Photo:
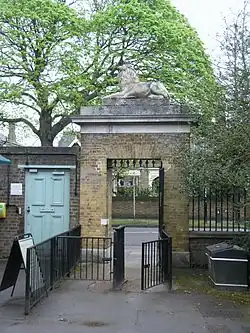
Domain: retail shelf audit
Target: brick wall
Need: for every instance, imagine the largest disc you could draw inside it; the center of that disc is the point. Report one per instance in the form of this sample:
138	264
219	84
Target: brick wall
144	209
198	241
14	223
98	148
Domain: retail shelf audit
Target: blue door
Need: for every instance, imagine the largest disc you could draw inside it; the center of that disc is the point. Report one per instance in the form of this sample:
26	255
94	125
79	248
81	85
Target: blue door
47	194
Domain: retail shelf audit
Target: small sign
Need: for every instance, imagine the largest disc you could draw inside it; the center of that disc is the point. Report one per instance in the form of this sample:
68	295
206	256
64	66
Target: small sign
16	189
17	258
104	221
24	244
12	268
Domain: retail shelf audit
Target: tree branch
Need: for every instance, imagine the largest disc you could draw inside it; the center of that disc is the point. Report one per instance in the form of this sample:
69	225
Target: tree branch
10	74
53	104
60	125
88	97
30	96
57	116
20	120
22	103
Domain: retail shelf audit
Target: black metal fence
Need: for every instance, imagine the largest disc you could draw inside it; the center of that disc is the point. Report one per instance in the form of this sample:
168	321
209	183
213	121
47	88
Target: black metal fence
217	210
156	265
85	258
43	269
118	257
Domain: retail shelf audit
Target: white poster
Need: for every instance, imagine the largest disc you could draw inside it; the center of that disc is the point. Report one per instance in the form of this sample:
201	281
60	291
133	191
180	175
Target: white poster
16	189
24	244
36	276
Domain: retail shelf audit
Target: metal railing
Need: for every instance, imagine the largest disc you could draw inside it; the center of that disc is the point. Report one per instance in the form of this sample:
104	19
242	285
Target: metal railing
43	269
85	258
217	210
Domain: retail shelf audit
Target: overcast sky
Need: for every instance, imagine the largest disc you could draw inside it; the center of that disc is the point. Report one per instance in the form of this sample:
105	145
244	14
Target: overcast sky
206	16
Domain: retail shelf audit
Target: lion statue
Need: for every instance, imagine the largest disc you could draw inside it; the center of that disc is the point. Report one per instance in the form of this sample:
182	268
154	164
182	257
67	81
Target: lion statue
131	87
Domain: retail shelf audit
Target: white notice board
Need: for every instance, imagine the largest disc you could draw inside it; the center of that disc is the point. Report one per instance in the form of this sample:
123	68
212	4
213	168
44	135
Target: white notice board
35	267
16	189
24	244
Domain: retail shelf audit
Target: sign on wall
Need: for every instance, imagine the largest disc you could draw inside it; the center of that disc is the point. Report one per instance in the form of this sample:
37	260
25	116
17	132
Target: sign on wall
16	189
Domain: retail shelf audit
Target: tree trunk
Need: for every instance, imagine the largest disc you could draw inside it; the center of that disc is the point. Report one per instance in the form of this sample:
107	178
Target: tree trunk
46	142
45	131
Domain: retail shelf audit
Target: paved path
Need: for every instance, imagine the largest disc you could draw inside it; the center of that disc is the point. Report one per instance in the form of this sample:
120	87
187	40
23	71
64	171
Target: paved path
133	249
135	236
81	306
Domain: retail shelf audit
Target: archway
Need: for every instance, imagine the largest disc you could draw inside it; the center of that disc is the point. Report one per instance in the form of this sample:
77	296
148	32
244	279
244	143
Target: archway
133	129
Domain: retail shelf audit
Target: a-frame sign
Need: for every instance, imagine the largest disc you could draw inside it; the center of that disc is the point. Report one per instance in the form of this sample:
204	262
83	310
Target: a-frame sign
16	260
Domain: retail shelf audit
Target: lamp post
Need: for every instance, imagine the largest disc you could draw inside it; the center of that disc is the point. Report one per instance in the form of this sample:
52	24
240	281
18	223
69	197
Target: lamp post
134	197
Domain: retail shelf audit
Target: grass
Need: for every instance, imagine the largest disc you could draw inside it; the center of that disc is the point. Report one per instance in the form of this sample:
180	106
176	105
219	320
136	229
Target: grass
191	281
135	222
154	222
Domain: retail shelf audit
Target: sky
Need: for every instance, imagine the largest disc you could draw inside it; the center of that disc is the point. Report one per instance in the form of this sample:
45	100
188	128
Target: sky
207	17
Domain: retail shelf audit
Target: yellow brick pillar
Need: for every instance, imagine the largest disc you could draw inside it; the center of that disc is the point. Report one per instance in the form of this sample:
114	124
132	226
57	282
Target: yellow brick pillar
176	215
95	200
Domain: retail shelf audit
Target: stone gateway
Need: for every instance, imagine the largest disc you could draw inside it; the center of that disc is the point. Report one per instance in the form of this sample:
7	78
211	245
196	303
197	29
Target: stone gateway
133	129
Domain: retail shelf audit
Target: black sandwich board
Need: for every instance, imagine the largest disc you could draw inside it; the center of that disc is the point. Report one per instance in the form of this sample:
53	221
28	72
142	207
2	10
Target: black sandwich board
17	258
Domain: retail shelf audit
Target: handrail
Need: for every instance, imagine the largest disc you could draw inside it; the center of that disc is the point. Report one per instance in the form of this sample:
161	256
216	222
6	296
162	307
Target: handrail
164	234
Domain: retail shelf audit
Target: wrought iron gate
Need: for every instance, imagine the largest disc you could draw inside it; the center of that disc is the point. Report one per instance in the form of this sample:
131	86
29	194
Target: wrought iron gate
92	258
84	258
156	264
118	257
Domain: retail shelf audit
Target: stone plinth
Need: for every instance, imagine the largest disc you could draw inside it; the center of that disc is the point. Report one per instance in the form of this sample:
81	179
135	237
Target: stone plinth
132	129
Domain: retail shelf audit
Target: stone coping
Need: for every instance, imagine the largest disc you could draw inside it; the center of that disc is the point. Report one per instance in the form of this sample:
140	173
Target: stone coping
137	107
133	118
214	234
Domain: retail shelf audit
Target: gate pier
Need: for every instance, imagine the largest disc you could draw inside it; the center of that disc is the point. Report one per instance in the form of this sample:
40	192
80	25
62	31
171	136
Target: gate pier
133	129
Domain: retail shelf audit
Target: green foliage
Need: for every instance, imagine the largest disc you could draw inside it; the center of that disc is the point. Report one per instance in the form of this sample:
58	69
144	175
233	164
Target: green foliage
33	42
242	240
140	193
156	185
125	193
220	156
160	43
221	159
54	59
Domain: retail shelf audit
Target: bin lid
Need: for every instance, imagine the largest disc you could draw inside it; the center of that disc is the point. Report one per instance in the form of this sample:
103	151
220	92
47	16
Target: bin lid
225	250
